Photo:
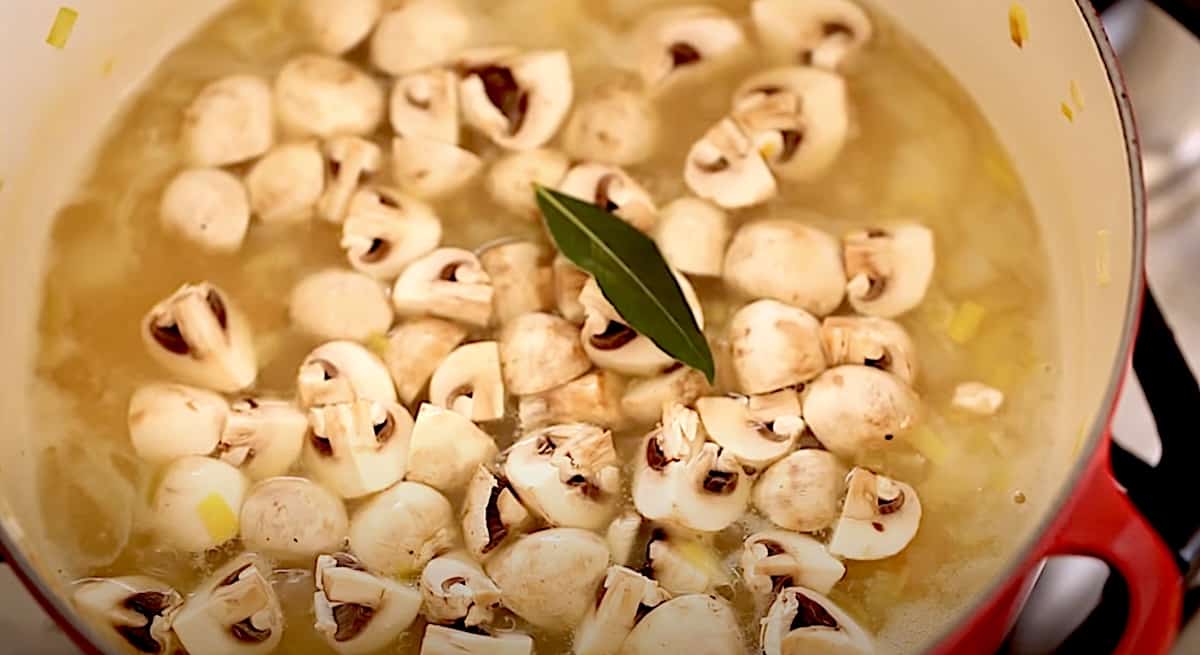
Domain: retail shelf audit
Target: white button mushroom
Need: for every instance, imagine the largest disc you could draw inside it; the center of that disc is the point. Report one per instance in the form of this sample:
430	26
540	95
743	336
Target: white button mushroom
889	270
286	184
262	437
569	475
693	624
358	612
446	449
428	168
327	97
293	520
777	559
358	448
201	337
727	167
440	640
540	352
622	535
419	34
774	346
491	514
822	33
343	372
569	282
759	431
801	492
517	101
879	518
468	381
625	596
685	563
352	161
870	341
235	612
786	260
644	399
521	276
457	591
684	43
512	178
386	230
692	235
857	409
550	578
230	121
447	283
197	502
339	304
804	621
415	350
615	124
593	398
611	344
978	398
425	104
169	421
207	207
613	190
337	26
397	532
135	611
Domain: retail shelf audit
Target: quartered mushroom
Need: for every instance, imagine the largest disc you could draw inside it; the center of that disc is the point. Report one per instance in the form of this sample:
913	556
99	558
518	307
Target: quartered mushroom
645	398
357	448
469	382
440	640
857	409
292	520
419	34
135	611
569	282
512	178
870	341
539	352
592	398
340	304
889	270
692	235
386	230
447	283
801	492
428	168
788	261
804	621
613	190
425	104
352	161
327	97
492	515
622	535
416	349
235	612
343	372
199	336
230	121
611	344
625	597
879	518
207	207
446	449
685	563
287	183
694	624
262	437
569	475
550	578
774	345
759	430
821	33
978	398
614	124
517	100
521	276
684	43
727	167
358	612
397	532
777	559
170	421
456	591
337	26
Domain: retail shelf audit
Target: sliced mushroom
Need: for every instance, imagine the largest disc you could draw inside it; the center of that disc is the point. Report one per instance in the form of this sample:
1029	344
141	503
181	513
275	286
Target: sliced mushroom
235	612
777	559
358	612
512	178
447	283
340	304
569	475
540	352
568	284
879	518
692	235
293	520
622	535
804	621
207	207
821	33
759	431
550	578
775	346
230	121
169	421
889	270
644	399
611	344
446	449
428	168
358	448
457	591
857	409
684	43
441	640
978	398
593	398
788	261
352	161
727	167
625	597
492	515
685	563
287	183
521	277
468	381
327	97
419	34
425	104
517	101
386	230
416	349
397	532
613	190
870	341
801	492
337	26
343	372
694	624
615	124
199	336
262	437
135	611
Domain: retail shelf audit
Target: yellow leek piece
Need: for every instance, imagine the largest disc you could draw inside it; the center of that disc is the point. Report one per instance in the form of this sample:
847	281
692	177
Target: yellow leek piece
218	518
1067	111
930	444
378	344
1018	24
966	321
60	31
701	556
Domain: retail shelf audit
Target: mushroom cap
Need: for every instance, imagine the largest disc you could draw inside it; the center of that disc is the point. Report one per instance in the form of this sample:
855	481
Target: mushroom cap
569	475
343	372
287	183
692	235
517	101
521	277
293	520
801	492
879	518
612	189
614	124
822	33
468	381
684	43
611	344
455	589
428	168
336	26
775	346
235	612
539	352
207	207
625	595
169	421
512	178
447	283
358	448
550	578
230	121
804	621
788	261
415	350
492	515
339	304
777	559
569	282
446	449
440	640
889	270
857	409
756	438
727	167
263	437
136	610
357	612
197	502
419	34
622	535
386	230
694	624
685	563
352	160
870	341
425	104
645	398
397	532
327	97
592	398
201	337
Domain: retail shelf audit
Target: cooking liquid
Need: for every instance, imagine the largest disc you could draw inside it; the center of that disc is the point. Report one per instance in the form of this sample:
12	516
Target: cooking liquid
920	150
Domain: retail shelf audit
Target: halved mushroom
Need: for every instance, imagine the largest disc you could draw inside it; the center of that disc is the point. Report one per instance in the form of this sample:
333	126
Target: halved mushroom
262	437
230	121
611	344
428	168
358	448
568	284
821	33
397	532
622	536
870	341
286	184
352	161
645	398
889	270
517	101
804	621
786	260
550	578
440	640
235	612
135	611
801	492
336	26
615	124
625	597
540	352
777	559
419	34
512	178
694	624
386	230
425	104
613	190
521	277
681	478
169	421
456	591
415	350
593	398
446	449
857	409
684	43
447	283
293	520
685	563
775	346
727	167
343	372
340	304
198	335
879	518
207	207
468	381
569	475
358	612
978	398
692	235
491	514
327	97
759	430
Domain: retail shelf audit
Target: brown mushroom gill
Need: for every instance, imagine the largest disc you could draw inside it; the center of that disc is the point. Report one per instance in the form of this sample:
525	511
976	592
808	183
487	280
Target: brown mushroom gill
151	605
614	336
322	445
497	531
891	505
385	429
810	614
168	336
351	620
247	632
378	251
683	54
218	308
655	457
720	482
602	199
505	93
